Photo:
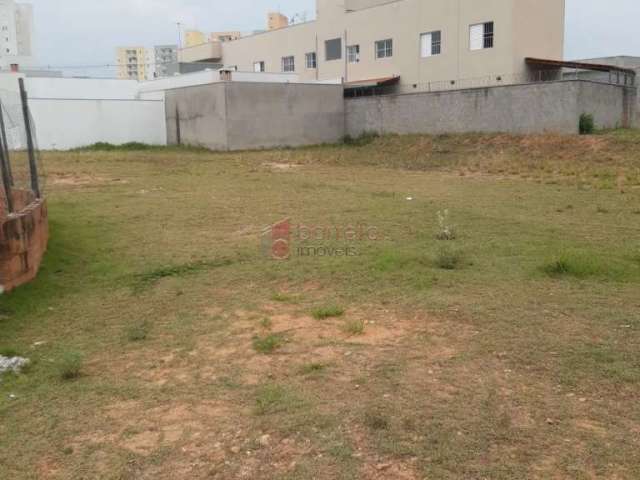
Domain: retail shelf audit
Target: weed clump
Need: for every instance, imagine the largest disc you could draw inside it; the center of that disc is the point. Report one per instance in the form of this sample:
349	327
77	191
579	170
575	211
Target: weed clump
70	366
587	125
329	311
354	327
449	259
268	344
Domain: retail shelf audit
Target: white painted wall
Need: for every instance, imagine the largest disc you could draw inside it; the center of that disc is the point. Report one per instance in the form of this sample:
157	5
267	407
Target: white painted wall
62	124
74	112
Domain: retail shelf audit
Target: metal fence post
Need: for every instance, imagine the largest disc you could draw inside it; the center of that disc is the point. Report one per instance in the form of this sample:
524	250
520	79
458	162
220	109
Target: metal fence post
33	166
4	143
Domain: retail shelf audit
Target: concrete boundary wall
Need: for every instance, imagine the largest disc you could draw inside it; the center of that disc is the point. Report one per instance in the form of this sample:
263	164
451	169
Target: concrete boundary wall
66	123
533	108
246	115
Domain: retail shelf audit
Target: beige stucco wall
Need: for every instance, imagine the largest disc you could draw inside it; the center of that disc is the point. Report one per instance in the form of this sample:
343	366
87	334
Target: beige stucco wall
522	28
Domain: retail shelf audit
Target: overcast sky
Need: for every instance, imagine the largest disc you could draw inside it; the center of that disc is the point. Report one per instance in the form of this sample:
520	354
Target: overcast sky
86	32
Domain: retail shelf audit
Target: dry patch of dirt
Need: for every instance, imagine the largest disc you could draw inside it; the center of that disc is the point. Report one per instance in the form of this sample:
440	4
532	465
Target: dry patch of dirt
81	180
280	167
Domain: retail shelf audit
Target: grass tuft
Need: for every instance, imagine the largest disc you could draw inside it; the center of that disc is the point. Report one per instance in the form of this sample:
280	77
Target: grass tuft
268	344
272	399
266	323
568	265
449	259
354	327
327	311
312	368
376	421
138	332
70	365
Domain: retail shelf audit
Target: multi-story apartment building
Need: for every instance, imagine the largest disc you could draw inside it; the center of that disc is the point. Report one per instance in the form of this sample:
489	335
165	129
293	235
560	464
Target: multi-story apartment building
135	63
16	35
166	60
414	41
140	63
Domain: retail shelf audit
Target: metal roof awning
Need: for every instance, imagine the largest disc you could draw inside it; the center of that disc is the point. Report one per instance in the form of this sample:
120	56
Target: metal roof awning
598	67
373	82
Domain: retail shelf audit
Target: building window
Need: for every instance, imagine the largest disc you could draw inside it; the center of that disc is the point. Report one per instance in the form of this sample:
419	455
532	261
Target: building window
258	67
333	49
288	64
311	60
430	44
353	53
481	36
384	48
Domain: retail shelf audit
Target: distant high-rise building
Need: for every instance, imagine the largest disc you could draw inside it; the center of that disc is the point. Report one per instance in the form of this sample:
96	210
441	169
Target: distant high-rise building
16	35
166	60
277	20
136	63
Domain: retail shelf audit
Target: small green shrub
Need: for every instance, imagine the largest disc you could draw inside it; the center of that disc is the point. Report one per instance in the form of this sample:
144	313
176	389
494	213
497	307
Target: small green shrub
268	344
587	125
70	366
328	311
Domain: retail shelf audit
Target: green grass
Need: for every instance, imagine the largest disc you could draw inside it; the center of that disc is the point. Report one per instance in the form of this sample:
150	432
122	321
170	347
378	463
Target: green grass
69	365
327	311
153	290
579	265
273	399
269	343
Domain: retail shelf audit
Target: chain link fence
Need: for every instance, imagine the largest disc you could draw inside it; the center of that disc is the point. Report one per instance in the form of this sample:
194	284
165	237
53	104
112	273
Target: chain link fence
20	162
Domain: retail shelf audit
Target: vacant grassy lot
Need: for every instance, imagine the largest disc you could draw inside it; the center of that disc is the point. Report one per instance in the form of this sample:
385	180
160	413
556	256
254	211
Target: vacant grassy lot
499	340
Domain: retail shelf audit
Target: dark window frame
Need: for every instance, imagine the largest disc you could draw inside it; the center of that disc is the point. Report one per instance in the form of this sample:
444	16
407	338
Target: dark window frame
333	49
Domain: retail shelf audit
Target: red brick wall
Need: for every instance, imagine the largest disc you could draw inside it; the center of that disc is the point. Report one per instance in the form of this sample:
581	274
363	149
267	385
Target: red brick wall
23	240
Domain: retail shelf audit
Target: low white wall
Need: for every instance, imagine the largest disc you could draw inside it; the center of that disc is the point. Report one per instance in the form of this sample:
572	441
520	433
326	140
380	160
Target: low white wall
75	112
63	124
